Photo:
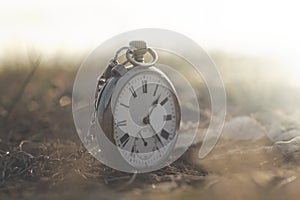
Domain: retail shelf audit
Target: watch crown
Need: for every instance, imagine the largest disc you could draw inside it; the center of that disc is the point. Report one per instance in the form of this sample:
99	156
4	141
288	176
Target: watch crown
139	49
138	45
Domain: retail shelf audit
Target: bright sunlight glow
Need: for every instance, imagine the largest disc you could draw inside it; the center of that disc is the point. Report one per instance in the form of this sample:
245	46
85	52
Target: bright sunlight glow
255	27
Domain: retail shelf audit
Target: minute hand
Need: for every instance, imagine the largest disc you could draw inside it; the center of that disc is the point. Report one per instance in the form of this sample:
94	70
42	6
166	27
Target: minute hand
153	105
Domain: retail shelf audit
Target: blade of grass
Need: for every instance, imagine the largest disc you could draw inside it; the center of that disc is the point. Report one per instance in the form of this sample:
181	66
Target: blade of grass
35	63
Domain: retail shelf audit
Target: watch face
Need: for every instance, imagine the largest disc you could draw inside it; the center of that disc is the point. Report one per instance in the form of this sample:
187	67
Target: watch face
145	119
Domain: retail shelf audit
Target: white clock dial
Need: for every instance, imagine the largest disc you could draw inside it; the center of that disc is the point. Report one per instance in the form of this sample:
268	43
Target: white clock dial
145	119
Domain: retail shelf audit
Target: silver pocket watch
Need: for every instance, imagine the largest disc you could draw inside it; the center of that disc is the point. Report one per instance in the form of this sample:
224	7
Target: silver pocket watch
137	107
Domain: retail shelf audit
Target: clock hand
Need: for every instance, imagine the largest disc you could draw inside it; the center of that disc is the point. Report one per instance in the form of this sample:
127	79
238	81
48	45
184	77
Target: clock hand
145	143
146	119
152	128
156	101
158	138
156	135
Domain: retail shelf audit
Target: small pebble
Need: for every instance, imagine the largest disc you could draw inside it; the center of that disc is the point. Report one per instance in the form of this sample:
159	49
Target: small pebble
64	101
289	148
282	135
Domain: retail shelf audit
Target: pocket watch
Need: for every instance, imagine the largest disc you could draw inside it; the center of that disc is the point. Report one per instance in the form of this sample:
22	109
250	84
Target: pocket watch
137	107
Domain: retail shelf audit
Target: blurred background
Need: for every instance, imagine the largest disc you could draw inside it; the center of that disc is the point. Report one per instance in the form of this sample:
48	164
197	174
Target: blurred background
255	45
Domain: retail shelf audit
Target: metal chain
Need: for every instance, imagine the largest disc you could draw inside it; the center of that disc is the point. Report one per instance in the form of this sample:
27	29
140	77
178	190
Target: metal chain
134	54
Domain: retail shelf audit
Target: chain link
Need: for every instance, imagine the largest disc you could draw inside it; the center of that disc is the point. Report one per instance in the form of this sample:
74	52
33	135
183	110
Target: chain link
134	54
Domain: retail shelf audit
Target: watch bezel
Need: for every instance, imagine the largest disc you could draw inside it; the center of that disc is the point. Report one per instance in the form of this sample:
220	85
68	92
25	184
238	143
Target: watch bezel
114	86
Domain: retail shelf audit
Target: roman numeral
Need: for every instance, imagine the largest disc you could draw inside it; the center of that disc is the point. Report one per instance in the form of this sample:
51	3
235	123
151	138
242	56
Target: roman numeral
122	104
122	123
132	91
155	90
167	117
133	148
144	86
164	134
164	101
124	139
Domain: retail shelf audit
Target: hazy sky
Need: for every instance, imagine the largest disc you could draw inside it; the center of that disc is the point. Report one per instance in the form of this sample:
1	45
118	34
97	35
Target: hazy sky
255	27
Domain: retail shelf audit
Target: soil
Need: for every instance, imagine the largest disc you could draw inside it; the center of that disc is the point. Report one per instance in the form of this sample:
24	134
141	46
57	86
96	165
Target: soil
42	157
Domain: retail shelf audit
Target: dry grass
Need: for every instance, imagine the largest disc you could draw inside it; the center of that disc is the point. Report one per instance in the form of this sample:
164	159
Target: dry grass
40	151
41	156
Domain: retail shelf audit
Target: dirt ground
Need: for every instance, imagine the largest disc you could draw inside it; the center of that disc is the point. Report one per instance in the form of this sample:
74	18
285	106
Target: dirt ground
41	156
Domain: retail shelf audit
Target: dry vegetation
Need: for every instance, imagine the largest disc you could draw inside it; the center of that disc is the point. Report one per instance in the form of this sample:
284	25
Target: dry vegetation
41	155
